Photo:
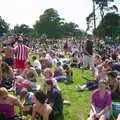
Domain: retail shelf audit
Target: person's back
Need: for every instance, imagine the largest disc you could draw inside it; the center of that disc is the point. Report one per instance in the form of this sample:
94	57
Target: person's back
54	97
7	103
40	107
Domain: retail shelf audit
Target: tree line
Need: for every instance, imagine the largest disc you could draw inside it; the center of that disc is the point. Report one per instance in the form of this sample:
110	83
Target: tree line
53	26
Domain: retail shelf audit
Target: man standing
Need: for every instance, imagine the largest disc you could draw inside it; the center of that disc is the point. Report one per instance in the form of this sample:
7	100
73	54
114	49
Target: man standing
88	53
21	53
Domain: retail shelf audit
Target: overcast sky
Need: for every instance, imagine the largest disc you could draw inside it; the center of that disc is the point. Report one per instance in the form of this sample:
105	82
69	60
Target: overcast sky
28	11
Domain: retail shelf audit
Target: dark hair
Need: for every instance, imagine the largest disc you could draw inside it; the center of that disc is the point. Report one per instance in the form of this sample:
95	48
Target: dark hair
34	57
40	96
112	74
49	82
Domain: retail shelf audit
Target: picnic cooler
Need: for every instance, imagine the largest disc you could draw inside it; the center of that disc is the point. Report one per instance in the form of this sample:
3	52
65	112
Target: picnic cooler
115	108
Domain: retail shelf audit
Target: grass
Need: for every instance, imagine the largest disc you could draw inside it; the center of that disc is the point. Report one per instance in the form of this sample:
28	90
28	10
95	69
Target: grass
79	108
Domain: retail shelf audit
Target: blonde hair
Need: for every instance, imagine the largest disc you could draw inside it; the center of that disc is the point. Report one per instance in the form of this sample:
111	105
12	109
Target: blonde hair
48	70
3	91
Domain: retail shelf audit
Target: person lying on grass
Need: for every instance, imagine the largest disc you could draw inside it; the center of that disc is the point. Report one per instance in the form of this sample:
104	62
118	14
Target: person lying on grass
40	107
100	102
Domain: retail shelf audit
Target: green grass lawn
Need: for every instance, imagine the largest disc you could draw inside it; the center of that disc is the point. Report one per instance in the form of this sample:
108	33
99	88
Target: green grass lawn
79	108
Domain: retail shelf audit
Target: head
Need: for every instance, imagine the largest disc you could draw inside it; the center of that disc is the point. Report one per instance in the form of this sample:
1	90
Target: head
28	64
90	37
5	67
58	63
34	58
97	57
49	84
3	92
102	84
23	93
40	97
44	53
48	73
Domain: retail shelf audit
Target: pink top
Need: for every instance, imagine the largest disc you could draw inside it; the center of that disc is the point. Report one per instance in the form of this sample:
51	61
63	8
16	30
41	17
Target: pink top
99	102
7	110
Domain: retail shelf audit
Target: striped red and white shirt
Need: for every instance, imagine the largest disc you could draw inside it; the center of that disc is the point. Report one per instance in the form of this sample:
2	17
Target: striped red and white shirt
21	52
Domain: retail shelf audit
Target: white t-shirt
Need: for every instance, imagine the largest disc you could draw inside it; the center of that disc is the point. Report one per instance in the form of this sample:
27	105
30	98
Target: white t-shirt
37	64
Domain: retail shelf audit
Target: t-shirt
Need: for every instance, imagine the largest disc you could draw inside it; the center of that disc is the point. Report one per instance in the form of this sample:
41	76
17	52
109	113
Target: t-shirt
89	47
102	103
36	64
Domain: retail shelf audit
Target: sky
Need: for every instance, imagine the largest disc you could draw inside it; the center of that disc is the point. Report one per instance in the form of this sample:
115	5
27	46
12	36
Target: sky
28	11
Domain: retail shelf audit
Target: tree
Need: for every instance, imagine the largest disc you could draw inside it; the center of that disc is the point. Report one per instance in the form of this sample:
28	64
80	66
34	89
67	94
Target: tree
70	29
49	23
102	8
23	29
110	22
4	27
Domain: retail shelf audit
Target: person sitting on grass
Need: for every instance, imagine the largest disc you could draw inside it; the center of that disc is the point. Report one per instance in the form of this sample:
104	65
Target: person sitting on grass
69	73
48	75
100	102
7	103
27	98
114	85
54	98
7	76
29	73
37	65
40	107
58	70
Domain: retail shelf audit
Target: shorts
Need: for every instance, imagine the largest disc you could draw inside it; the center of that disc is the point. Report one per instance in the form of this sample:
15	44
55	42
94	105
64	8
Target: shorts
20	64
88	62
106	114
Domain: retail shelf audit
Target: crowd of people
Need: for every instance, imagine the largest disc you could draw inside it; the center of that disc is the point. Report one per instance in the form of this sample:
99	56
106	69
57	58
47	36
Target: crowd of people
31	69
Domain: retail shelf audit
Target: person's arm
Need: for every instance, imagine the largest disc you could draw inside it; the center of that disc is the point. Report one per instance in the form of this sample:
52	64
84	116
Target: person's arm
17	102
35	73
33	112
23	74
103	111
46	115
114	88
93	108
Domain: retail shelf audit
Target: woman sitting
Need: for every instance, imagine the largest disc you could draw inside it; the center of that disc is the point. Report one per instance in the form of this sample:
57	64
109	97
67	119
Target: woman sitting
40	107
7	76
100	102
29	73
48	75
58	70
7	103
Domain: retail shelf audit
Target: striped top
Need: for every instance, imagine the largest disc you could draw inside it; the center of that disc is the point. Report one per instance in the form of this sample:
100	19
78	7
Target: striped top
21	52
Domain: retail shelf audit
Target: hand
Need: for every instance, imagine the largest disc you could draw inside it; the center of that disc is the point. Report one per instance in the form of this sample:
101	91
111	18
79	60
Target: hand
97	115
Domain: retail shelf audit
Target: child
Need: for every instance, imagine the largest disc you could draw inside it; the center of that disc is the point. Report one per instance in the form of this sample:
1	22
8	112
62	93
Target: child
69	73
27	97
48	75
